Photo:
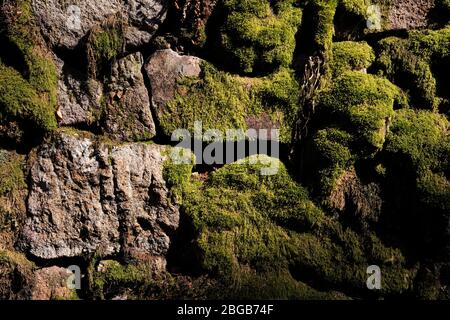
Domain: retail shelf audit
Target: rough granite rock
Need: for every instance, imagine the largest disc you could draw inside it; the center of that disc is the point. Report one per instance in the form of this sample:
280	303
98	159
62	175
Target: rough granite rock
65	23
410	14
128	115
87	197
79	98
164	68
51	283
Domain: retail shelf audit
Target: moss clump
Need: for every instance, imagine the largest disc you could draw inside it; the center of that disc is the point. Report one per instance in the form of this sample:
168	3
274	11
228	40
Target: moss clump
317	34
20	101
349	55
113	278
251	227
222	101
422	138
356	7
315	40
361	104
32	94
258	36
414	64
324	27
411	72
355	113
334	157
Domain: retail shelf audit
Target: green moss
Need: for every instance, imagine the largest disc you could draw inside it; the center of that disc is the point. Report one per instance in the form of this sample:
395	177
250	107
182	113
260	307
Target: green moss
39	82
340	257
361	104
333	145
349	55
222	101
25	34
278	95
251	227
355	113
177	171
13	191
324	27
115	278
413	73
11	173
434	189
323	12
355	88
20	101
334	157
430	44
258	36
238	214
356	7
105	43
414	63
422	138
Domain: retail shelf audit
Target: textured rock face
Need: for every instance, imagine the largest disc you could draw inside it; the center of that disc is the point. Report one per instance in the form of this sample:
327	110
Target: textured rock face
79	99
410	14
129	116
50	283
64	23
164	68
86	197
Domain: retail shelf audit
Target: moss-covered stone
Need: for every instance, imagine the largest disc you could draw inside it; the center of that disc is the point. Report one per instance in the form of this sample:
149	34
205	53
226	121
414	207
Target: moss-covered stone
31	95
356	7
414	64
362	103
13	191
177	171
112	278
258	36
317	34
422	137
20	101
355	114
324	28
251	227
223	101
105	43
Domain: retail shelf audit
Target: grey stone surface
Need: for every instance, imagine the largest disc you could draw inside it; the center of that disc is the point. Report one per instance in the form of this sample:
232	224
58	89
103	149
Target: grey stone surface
87	197
65	23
